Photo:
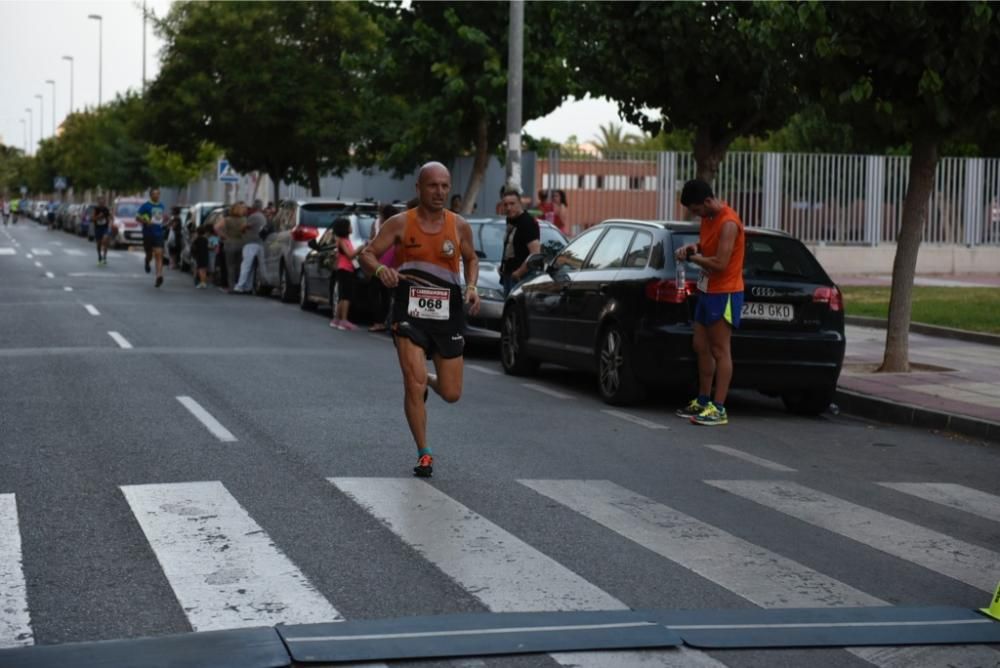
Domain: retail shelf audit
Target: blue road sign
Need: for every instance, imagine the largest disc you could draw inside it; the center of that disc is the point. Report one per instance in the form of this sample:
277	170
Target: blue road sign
226	173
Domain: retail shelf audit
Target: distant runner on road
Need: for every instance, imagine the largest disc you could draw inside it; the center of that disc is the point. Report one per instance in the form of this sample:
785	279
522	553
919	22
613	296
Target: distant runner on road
152	215
428	316
102	225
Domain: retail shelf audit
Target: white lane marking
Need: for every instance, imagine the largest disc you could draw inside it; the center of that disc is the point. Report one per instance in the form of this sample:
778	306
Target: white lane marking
15	621
224	569
38	264
971	564
67	288
8	251
91	310
545	390
634	419
835	625
952	495
27	255
762	577
759	461
120	340
49	274
503	572
41	251
73	251
207	419
482	369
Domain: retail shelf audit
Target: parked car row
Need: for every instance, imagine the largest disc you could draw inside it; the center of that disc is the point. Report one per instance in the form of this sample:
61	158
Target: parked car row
611	302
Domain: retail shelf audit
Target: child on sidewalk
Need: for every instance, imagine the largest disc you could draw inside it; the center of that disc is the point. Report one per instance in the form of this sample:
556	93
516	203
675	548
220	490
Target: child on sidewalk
345	274
200	254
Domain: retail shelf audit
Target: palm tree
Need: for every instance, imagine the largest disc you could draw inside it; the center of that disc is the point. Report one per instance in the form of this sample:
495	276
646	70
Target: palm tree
613	139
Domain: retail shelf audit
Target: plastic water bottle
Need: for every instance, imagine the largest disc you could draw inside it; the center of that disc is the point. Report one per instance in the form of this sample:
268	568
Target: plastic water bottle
680	279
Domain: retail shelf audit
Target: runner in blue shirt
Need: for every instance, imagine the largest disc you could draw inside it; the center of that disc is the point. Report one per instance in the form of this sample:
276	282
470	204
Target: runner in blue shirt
152	215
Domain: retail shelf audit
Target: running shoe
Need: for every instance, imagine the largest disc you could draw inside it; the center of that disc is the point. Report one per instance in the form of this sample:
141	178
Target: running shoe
711	416
159	281
424	467
690	410
145	266
335	324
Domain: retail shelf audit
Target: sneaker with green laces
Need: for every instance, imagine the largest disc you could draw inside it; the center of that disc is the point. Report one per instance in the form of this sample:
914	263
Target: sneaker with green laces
690	410
711	416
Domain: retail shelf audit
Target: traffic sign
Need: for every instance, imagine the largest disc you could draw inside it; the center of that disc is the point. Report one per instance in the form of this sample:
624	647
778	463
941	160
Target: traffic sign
24	190
226	174
59	183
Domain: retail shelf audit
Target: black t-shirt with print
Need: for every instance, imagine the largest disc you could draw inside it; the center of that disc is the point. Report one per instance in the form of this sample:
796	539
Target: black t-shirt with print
521	231
101	216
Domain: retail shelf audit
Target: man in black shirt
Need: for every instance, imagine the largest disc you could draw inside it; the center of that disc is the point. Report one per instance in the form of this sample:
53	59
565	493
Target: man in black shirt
102	228
521	240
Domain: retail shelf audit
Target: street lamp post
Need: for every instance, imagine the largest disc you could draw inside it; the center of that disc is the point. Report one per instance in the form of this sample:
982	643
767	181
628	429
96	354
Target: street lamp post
52	81
24	131
31	128
70	59
100	53
41	117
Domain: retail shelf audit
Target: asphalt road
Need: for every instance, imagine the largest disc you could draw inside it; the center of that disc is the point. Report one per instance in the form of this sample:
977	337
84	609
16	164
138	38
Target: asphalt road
242	464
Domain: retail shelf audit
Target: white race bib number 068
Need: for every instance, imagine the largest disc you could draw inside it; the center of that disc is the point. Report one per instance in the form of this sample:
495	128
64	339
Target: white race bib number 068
429	303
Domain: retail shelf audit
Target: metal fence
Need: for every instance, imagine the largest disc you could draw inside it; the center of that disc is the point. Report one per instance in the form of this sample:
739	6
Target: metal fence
819	198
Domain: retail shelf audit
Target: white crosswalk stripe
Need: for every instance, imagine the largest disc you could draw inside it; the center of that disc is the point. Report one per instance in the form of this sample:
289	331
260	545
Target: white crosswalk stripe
224	569
503	572
758	575
74	251
7	250
41	251
15	620
956	496
971	564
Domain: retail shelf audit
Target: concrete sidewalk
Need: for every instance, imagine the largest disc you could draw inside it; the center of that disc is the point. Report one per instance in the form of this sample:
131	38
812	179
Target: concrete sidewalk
954	386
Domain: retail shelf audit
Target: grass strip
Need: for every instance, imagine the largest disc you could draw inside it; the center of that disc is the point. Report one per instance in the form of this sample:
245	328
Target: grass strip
972	309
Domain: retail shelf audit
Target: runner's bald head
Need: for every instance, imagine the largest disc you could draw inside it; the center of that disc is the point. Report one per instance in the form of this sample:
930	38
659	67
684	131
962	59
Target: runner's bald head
432	168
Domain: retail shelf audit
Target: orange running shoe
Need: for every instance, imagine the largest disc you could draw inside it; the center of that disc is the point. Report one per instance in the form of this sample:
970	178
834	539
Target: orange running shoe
424	467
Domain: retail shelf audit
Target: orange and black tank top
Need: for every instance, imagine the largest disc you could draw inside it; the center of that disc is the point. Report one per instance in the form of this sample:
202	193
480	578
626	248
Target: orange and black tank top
729	279
437	256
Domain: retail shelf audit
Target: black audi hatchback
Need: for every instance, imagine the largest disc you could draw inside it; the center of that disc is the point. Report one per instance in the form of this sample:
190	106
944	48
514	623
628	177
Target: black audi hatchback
615	302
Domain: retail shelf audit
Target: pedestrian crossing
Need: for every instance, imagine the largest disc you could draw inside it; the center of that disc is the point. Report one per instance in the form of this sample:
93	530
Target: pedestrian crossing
227	572
44	252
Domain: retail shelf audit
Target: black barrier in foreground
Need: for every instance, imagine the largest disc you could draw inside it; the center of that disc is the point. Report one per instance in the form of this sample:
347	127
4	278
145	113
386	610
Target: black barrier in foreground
485	634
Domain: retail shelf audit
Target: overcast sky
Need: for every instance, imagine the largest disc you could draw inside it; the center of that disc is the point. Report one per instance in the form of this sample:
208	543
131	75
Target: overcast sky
37	34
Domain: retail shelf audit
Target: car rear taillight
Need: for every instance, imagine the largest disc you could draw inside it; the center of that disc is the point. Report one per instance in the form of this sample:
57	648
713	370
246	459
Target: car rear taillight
303	233
668	292
830	296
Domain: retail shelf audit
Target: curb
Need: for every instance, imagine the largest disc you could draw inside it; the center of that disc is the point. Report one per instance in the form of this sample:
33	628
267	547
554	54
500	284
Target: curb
868	406
929	330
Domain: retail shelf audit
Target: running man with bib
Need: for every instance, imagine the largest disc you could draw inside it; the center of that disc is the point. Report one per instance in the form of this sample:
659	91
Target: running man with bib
152	215
719	253
428	317
102	225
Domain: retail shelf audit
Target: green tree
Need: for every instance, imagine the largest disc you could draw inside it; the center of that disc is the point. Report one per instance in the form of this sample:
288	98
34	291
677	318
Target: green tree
440	87
613	139
936	79
720	69
273	84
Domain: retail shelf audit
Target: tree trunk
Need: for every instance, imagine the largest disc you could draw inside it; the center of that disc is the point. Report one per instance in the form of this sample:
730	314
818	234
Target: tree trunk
314	179
923	164
479	165
708	154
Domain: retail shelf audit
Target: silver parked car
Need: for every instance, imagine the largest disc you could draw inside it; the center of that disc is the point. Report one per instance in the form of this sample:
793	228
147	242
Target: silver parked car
285	249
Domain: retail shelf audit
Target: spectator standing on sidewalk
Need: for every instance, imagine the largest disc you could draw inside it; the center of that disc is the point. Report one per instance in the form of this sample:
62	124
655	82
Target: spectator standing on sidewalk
546	207
200	255
345	273
719	253
233	227
561	211
252	247
521	240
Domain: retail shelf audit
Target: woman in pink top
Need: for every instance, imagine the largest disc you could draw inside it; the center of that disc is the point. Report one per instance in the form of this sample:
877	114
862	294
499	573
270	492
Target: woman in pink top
345	273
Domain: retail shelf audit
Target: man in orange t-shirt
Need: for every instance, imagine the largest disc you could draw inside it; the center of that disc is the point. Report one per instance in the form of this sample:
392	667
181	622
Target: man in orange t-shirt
719	253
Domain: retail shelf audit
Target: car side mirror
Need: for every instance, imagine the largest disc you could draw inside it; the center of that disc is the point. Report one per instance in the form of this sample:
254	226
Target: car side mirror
535	262
312	244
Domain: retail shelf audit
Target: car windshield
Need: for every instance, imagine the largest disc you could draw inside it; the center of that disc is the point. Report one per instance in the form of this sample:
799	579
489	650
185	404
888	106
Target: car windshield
489	238
127	209
363	226
320	215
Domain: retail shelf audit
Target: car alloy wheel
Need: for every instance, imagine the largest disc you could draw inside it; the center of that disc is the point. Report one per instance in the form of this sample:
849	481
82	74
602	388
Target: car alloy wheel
284	286
615	376
512	356
305	303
